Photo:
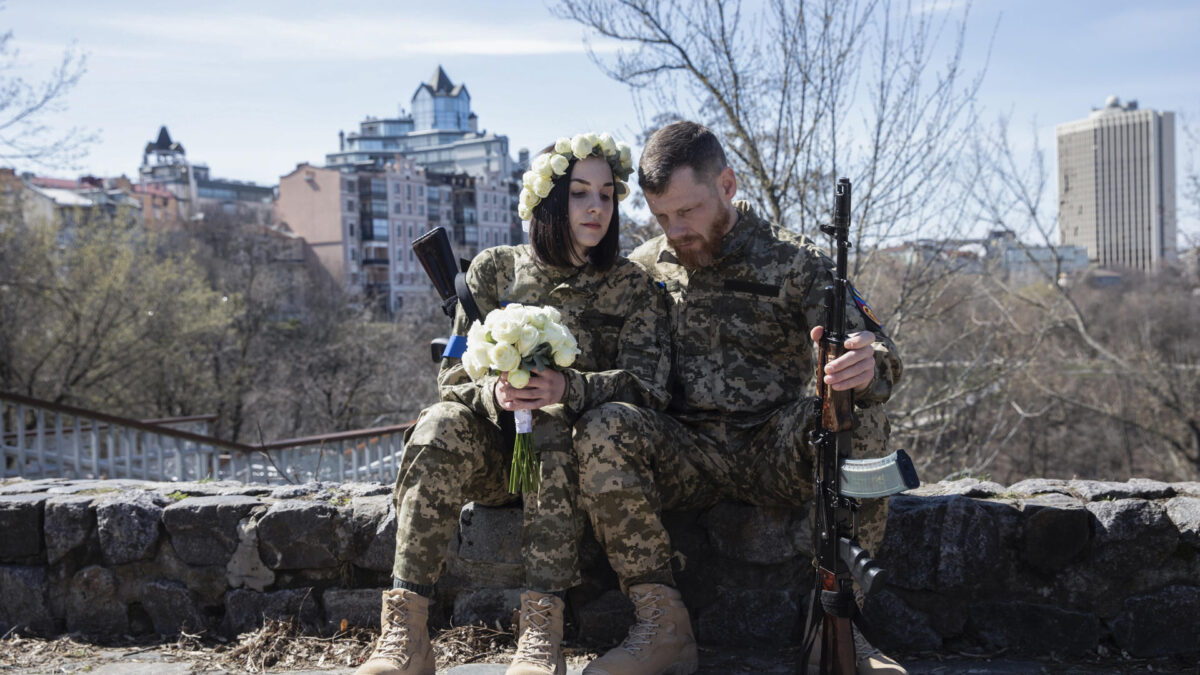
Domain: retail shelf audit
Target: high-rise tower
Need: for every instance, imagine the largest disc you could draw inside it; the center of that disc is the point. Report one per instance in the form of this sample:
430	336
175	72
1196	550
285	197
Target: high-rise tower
1116	185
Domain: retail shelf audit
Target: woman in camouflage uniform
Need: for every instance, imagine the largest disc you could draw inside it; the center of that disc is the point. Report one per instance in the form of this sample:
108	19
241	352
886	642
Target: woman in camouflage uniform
460	448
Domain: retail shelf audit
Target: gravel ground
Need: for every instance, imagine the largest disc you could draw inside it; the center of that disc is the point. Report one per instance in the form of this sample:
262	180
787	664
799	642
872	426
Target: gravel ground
278	648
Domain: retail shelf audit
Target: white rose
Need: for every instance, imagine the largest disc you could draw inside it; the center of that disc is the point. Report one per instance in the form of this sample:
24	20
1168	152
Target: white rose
519	378
527	199
625	152
562	146
593	139
554	315
528	177
565	357
559	164
607	144
540	163
524	212
506	330
475	362
542	186
504	357
581	146
476	334
528	340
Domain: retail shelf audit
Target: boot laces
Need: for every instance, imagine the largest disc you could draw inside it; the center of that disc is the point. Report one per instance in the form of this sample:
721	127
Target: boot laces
393	642
648	613
534	645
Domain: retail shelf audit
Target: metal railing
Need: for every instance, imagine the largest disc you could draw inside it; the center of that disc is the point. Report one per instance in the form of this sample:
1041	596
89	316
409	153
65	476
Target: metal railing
41	439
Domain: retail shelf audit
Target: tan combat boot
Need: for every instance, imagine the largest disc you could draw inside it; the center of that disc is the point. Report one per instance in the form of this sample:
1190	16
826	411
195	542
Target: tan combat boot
661	641
539	642
403	647
870	661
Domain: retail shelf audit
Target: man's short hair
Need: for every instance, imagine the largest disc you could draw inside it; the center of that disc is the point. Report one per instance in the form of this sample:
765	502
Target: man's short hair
677	145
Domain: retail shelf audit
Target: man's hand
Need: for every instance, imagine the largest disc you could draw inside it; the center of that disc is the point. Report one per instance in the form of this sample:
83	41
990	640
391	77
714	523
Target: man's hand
545	388
856	368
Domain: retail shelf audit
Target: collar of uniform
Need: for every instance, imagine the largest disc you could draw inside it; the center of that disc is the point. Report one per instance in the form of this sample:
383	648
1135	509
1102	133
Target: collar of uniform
557	275
744	229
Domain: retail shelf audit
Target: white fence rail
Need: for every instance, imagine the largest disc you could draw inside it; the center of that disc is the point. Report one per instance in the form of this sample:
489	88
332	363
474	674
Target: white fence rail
39	439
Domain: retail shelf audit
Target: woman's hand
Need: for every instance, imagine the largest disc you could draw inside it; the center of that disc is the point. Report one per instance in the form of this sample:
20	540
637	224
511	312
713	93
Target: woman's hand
545	388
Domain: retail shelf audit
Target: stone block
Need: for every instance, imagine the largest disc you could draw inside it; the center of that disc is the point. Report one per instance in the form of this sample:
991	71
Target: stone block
300	535
965	487
380	552
93	607
1129	534
1135	488
21	522
1184	512
896	625
128	524
23	600
359	607
1041	486
246	567
604	621
203	530
758	534
941	543
70	526
363	518
487	606
171	608
1034	629
749	616
247	610
490	534
1163	623
1054	536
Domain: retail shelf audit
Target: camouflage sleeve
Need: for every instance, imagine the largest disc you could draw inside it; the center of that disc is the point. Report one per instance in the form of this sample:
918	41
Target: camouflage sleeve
811	275
643	355
453	382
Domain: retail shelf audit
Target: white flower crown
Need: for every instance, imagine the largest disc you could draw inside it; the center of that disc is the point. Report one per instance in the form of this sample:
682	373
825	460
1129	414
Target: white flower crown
548	166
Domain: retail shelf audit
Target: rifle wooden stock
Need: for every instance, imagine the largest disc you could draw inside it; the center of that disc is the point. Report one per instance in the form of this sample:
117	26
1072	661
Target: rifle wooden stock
837	407
837	642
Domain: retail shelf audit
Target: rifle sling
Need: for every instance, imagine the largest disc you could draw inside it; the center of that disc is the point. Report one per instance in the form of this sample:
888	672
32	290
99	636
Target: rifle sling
463	293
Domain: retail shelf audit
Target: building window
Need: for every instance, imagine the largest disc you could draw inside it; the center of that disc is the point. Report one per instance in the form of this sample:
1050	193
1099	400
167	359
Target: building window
420	190
349	204
408	191
350	229
408	208
420	209
396	208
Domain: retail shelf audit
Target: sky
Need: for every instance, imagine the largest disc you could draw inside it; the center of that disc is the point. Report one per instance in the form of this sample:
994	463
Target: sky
254	88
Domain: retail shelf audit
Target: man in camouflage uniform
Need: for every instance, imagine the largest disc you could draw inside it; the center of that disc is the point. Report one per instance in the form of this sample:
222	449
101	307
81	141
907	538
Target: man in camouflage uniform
746	298
458	451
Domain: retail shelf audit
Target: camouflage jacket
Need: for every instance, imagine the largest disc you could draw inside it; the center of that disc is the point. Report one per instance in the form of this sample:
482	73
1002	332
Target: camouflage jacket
739	327
618	317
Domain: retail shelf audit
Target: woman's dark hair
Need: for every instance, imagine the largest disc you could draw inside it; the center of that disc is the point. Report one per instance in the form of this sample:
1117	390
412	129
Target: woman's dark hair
550	227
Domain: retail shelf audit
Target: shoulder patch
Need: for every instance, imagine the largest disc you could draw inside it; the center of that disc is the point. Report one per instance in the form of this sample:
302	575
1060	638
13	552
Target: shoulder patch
872	320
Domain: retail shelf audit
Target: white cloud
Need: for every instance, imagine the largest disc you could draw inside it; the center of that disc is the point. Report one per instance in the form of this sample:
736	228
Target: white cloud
259	38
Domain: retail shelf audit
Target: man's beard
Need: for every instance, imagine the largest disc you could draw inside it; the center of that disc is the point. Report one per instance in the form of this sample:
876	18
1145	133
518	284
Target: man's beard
710	244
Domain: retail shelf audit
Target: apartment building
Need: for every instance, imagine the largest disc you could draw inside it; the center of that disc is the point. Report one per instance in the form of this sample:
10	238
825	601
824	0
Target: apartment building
1116	185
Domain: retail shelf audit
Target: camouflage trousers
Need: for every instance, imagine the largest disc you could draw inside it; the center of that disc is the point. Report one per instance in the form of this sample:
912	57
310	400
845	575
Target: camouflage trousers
453	456
635	463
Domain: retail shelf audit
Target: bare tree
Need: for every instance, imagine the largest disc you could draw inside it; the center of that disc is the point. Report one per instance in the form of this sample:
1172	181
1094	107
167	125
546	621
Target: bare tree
802	92
25	137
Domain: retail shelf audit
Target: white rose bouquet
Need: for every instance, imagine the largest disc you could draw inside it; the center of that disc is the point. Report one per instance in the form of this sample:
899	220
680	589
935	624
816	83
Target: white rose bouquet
516	340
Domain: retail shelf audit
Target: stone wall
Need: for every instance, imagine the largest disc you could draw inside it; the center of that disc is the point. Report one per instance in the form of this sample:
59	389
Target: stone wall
1040	567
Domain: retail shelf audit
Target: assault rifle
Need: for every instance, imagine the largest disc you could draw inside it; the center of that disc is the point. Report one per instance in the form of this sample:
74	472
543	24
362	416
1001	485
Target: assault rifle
841	482
450	280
